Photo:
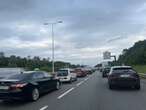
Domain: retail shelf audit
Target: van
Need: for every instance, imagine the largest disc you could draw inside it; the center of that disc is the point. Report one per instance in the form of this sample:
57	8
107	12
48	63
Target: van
66	75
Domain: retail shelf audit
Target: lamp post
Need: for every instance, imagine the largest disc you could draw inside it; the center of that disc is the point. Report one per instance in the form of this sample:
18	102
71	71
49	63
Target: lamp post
53	47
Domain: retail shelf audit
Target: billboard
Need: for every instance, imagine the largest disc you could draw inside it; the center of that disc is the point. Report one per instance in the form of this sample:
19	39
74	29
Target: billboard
106	55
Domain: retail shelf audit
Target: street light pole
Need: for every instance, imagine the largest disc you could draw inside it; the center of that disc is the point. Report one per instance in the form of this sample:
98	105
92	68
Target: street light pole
52	48
53	43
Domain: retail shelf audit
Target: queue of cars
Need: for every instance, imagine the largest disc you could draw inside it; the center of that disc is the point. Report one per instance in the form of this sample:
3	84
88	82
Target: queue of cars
70	75
122	76
29	85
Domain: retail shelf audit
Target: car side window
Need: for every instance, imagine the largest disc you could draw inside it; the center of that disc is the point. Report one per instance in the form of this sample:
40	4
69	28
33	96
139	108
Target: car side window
38	75
111	71
47	75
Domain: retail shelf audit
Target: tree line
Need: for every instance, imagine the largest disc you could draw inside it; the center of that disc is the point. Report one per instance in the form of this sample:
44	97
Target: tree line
135	55
31	63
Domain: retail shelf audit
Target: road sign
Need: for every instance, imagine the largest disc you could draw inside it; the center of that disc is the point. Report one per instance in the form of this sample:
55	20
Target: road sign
106	55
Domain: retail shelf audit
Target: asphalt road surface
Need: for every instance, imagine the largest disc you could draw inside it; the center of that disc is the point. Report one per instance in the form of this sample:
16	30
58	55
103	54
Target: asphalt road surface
89	93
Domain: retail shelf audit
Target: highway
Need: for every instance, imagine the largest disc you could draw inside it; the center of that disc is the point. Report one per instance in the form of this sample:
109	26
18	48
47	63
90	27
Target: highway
89	93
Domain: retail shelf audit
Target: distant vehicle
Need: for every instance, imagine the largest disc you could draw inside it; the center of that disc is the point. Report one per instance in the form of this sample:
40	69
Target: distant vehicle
101	69
88	70
80	72
66	75
123	76
27	85
105	72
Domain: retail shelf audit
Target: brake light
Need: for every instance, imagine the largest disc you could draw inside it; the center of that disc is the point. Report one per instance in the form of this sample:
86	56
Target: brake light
136	75
111	76
18	85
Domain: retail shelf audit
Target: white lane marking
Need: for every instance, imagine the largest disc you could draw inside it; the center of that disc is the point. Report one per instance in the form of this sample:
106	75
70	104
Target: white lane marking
86	79
78	84
44	108
65	93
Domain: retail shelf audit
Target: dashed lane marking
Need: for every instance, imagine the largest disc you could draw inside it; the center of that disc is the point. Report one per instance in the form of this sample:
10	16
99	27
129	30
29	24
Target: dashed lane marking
65	93
44	108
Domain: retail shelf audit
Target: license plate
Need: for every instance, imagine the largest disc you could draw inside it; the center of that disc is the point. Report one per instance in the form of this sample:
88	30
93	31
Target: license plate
125	76
4	87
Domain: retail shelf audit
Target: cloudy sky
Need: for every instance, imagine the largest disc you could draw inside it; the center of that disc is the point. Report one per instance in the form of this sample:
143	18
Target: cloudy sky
89	27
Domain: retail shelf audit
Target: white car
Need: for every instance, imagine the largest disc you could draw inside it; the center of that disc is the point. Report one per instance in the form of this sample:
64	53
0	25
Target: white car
66	75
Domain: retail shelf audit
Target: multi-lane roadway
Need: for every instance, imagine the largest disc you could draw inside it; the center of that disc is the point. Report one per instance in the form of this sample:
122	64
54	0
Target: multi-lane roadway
88	93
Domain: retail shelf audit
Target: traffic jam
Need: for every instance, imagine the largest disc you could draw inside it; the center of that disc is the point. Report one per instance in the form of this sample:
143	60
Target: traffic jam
30	85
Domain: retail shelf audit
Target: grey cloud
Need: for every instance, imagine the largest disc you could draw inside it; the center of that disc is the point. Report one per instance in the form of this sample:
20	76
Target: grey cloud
86	23
15	5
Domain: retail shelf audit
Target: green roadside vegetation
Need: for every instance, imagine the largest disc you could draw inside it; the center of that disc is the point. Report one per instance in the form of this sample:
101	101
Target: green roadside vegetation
31	63
140	68
135	56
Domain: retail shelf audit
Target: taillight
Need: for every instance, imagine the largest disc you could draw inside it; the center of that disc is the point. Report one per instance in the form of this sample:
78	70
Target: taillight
112	76
136	75
18	85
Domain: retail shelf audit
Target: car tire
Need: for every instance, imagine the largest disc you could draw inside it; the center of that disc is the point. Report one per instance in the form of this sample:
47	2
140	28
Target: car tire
103	75
111	86
58	85
35	94
70	80
7	101
137	87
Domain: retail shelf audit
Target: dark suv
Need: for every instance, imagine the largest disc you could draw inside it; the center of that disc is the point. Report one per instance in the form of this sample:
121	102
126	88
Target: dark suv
123	76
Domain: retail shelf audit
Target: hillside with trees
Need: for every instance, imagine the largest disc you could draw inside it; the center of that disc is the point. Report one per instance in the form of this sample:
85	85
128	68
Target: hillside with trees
136	55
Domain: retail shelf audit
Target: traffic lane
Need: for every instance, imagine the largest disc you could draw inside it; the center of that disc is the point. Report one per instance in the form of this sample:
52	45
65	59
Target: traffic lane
95	95
46	99
122	98
81	97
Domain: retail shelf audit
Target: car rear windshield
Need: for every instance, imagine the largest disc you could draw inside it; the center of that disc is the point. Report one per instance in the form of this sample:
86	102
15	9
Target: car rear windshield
62	73
19	76
6	72
106	68
123	70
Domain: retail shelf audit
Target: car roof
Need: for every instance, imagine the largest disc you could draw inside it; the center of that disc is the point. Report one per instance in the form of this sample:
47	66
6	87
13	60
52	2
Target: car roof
121	67
66	69
30	72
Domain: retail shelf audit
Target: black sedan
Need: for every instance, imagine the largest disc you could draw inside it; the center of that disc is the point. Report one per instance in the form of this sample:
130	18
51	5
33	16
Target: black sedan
123	76
27	85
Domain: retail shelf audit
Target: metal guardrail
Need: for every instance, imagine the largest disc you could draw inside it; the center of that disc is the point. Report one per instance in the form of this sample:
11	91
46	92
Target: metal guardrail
142	75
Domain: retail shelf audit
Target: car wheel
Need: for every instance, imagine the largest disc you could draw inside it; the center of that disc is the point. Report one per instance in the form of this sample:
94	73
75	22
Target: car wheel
137	87
7	101
111	86
58	85
70	80
103	75
35	94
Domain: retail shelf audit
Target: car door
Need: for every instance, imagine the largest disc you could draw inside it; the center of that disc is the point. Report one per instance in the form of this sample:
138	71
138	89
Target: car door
50	81
40	80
